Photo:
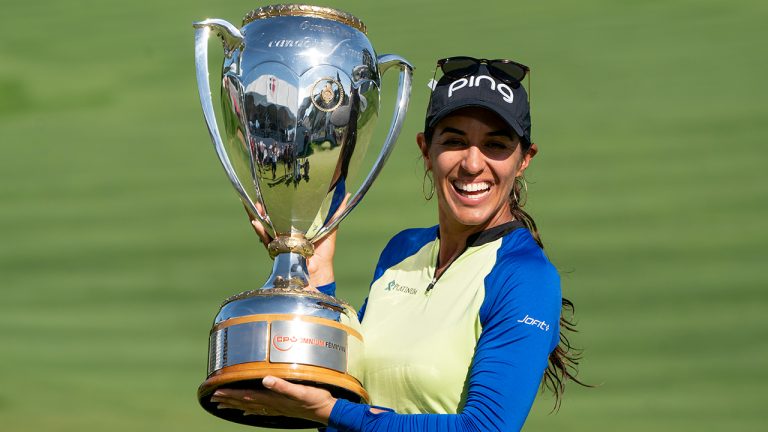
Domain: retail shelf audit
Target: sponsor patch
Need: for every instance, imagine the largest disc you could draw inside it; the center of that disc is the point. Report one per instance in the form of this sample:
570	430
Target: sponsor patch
534	322
396	287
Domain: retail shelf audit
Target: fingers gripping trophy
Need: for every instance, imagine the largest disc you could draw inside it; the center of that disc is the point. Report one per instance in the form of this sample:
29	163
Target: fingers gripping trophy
300	95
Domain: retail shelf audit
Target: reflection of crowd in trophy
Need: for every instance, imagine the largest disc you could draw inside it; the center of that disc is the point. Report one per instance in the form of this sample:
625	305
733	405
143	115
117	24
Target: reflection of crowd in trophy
281	152
286	161
269	155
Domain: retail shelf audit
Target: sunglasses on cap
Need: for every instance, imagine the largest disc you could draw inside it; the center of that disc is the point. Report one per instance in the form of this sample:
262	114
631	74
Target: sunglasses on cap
504	70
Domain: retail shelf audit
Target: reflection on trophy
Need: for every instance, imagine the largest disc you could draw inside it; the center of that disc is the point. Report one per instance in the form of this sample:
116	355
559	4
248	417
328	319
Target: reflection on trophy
300	97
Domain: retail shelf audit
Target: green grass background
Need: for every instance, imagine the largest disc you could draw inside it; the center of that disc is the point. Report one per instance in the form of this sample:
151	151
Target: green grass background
120	235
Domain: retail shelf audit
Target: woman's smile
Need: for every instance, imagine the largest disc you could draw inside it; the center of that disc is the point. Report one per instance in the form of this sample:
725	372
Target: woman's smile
471	191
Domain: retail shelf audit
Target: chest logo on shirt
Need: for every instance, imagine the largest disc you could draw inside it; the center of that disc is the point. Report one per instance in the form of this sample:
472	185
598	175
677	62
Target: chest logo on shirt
396	287
534	322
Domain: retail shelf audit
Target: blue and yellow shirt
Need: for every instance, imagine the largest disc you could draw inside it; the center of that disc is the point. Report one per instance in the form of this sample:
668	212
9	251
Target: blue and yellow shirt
465	352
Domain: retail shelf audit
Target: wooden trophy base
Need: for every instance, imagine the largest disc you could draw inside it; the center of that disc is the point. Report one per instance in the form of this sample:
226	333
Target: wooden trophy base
249	375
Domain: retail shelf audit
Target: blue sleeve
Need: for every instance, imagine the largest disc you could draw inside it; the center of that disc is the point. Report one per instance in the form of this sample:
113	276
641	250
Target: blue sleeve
339	193
328	289
519	318
361	312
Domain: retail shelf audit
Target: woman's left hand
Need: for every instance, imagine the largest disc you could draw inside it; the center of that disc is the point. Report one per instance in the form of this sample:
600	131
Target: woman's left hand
281	398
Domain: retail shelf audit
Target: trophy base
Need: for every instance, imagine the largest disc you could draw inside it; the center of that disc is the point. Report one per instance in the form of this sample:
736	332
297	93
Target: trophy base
249	375
301	336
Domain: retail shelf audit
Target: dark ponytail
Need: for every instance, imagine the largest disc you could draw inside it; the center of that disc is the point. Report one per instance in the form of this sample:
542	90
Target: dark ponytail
564	360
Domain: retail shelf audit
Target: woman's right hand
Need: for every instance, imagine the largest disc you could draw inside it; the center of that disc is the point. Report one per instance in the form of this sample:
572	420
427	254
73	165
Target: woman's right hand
320	265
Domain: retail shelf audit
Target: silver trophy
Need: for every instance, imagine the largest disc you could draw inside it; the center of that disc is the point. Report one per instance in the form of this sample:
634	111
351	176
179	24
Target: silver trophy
300	96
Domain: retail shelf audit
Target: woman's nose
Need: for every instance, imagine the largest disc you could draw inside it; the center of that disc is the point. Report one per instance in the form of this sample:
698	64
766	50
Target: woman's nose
473	161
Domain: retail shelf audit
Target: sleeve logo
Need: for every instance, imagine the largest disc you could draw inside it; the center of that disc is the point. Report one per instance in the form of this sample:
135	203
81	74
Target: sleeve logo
534	322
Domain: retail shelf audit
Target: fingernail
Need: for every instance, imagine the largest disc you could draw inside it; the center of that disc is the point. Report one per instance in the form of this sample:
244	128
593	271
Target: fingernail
269	381
218	393
215	399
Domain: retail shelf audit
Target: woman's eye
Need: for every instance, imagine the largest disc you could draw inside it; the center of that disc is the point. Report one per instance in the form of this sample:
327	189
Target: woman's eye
496	145
453	143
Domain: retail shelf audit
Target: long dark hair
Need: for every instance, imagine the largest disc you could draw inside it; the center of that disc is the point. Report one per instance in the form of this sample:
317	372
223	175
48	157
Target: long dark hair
564	360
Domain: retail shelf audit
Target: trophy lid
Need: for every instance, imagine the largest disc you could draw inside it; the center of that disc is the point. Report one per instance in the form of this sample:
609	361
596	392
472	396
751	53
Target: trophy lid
306	11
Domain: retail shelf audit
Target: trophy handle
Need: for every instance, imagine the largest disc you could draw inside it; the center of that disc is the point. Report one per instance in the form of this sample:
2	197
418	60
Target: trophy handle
231	39
386	62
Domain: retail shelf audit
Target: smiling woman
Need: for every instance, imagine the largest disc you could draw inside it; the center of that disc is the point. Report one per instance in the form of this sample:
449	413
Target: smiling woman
478	287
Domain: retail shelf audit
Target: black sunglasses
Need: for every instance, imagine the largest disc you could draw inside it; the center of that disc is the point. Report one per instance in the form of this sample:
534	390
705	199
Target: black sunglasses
505	70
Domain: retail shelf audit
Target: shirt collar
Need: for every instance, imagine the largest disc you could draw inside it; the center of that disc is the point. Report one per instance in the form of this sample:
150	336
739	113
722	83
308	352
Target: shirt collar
494	233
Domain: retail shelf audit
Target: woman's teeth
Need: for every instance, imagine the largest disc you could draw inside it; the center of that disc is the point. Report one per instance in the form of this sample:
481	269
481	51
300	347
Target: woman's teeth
474	189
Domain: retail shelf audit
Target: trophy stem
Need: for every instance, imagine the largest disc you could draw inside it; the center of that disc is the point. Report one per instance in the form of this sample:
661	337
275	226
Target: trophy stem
289	271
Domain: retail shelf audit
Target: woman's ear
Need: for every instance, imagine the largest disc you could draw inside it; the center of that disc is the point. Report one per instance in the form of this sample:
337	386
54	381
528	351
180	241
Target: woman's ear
532	150
421	140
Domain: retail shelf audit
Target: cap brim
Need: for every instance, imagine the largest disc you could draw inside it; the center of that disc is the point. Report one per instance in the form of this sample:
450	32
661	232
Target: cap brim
482	104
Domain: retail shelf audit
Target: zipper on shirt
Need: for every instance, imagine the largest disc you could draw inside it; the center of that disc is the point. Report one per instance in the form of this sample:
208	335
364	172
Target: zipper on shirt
430	286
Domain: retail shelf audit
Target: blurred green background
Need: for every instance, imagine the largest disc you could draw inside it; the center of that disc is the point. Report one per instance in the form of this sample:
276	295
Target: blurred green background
120	234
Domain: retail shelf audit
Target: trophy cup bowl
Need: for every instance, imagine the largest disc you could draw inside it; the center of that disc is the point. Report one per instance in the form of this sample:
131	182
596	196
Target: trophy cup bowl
300	96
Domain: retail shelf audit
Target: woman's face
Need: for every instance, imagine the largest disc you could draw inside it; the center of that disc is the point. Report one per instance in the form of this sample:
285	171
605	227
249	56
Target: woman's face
474	157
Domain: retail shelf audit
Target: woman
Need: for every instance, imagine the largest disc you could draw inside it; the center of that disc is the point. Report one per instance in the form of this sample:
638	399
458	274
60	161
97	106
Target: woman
461	319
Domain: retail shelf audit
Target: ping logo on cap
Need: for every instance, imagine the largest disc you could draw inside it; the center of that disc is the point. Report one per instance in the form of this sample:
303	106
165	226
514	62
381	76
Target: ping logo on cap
475	81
